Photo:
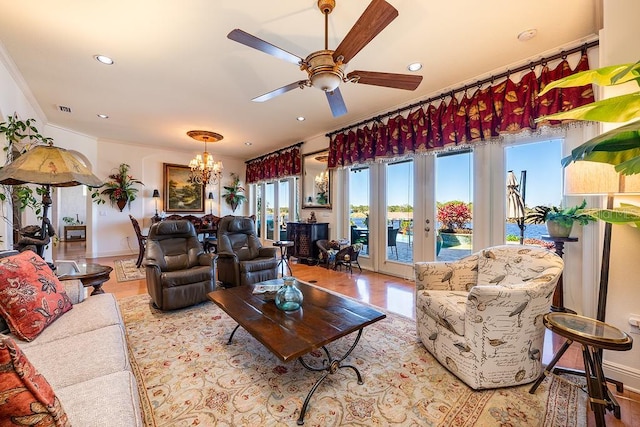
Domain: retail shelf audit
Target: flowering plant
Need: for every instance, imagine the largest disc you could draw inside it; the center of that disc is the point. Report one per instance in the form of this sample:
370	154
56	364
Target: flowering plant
454	216
120	189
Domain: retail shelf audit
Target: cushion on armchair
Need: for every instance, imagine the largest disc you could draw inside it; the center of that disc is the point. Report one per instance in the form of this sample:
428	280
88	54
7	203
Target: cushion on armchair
31	296
27	397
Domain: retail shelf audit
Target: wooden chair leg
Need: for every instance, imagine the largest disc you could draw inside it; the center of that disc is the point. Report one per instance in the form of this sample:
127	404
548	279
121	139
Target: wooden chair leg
140	256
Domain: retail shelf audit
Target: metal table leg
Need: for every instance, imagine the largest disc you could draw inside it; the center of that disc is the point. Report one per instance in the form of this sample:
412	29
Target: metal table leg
329	366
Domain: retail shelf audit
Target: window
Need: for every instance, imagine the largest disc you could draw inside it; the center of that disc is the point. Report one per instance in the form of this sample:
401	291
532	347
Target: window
538	166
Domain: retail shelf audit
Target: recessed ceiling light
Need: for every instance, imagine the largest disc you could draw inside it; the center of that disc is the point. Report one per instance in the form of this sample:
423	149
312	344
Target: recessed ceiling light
300	119
527	35
102	116
103	59
416	66
248	144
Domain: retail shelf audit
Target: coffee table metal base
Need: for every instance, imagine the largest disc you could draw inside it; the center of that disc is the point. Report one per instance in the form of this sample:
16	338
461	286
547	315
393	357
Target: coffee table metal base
329	366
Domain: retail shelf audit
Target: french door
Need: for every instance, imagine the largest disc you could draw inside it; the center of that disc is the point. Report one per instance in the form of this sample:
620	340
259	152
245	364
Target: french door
402	212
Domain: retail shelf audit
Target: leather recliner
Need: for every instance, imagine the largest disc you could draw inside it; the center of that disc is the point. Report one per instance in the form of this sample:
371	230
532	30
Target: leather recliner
241	258
179	272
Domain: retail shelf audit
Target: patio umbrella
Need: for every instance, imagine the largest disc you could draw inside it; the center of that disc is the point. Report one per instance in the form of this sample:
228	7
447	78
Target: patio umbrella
515	200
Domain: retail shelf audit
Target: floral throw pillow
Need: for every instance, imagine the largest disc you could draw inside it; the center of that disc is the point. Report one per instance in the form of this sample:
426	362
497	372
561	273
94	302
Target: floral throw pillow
27	397
31	296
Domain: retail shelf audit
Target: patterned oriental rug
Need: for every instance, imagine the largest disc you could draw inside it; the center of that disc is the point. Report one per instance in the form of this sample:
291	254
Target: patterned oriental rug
127	271
190	376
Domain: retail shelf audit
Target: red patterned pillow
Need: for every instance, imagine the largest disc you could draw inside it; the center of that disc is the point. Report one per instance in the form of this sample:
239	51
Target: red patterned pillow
27	397
31	296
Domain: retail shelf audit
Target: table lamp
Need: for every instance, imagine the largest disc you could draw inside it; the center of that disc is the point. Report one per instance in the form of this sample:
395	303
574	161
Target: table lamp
48	166
156	196
210	197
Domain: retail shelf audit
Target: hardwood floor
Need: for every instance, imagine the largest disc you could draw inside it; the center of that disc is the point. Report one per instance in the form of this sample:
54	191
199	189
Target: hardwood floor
390	293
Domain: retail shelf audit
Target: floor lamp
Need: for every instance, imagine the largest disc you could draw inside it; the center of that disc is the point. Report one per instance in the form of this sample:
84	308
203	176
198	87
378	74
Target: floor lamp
594	178
48	166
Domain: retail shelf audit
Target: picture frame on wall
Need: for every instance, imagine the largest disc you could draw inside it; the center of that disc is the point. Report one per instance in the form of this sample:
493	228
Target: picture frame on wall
180	194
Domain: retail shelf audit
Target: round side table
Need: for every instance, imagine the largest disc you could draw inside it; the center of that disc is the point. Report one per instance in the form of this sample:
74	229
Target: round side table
593	336
284	253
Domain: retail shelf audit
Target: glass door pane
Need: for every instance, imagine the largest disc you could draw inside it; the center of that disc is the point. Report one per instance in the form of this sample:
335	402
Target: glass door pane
399	212
283	208
454	196
359	207
269	199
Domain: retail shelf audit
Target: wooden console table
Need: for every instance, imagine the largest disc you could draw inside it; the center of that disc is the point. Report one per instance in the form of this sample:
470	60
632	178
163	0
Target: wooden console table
81	238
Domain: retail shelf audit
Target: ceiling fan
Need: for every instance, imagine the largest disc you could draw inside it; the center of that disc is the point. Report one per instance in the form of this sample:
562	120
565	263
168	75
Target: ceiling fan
326	68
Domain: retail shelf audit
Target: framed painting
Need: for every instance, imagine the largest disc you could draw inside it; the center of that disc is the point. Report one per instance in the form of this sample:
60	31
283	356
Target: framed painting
180	194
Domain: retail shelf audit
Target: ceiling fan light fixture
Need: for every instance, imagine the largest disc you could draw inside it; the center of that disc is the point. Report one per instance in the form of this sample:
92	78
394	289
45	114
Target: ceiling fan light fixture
326	81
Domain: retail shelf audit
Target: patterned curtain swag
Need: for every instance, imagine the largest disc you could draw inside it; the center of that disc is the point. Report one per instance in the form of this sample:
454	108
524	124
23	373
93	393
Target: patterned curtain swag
499	109
280	164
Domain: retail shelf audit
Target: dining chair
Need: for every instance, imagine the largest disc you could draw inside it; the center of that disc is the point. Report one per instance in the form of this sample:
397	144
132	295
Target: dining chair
392	239
142	240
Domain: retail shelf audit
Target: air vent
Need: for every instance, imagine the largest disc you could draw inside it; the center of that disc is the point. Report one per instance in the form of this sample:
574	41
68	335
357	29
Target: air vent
64	109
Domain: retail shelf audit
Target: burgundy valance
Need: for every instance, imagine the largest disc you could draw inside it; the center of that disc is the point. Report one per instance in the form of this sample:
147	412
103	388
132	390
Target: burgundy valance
280	164
499	109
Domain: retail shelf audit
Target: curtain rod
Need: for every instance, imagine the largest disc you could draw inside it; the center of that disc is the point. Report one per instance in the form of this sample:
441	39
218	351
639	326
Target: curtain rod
298	144
562	55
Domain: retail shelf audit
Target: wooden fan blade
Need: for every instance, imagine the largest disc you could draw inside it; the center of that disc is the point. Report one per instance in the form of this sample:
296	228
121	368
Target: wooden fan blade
263	46
397	81
373	20
338	107
267	96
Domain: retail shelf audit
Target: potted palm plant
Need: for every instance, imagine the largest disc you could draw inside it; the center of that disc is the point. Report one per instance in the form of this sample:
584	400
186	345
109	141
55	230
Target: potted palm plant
559	221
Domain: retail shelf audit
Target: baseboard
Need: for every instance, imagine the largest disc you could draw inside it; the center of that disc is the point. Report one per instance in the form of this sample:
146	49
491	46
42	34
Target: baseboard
630	377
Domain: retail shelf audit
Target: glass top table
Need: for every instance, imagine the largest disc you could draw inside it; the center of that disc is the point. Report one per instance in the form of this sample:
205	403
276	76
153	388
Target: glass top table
587	331
89	274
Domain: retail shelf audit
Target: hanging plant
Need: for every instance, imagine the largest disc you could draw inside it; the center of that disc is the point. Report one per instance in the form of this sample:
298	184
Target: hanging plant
120	189
234	195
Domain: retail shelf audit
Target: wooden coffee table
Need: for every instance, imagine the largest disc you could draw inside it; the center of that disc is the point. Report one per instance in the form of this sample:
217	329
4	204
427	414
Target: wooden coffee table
323	318
89	274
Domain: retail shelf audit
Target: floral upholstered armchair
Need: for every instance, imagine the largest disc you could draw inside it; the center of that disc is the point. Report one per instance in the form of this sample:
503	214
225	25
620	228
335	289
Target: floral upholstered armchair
481	316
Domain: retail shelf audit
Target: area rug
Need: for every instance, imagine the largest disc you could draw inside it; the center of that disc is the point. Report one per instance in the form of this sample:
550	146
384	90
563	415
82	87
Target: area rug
192	377
126	270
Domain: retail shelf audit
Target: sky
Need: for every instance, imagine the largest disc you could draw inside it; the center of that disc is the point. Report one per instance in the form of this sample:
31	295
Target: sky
541	160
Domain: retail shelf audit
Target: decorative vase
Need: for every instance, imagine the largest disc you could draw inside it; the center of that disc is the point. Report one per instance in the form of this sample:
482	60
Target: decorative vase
121	203
557	229
289	297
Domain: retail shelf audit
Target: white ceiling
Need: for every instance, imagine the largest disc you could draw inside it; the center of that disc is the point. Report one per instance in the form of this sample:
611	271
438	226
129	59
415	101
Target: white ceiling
175	70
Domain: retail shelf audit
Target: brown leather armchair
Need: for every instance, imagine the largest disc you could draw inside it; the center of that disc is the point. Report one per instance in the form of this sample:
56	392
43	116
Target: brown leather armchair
241	258
179	272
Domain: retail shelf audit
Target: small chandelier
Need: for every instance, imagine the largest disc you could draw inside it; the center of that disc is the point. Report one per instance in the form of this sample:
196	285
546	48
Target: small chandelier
204	170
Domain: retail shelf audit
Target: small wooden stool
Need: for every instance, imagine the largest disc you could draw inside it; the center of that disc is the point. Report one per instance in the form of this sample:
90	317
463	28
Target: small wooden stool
594	336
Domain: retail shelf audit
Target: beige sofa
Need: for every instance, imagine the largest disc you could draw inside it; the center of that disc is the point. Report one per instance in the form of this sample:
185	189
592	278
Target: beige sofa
84	356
